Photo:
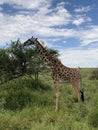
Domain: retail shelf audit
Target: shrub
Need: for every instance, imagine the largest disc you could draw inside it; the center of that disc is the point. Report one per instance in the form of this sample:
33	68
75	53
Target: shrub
94	74
93	118
18	99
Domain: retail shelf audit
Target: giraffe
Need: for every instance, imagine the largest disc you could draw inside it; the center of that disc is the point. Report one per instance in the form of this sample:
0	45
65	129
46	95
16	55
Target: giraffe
60	73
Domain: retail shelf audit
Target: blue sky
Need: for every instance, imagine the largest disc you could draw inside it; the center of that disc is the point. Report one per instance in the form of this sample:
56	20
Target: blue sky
70	26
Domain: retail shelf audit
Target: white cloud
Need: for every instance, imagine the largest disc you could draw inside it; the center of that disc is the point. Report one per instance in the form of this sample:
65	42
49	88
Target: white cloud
88	36
40	23
82	9
79	58
26	4
50	24
80	20
46	22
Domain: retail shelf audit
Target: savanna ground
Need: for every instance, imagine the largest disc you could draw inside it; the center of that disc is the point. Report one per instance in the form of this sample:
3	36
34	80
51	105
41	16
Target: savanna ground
23	106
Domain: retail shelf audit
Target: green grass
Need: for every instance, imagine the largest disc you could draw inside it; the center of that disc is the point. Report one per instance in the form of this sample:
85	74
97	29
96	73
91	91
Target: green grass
23	106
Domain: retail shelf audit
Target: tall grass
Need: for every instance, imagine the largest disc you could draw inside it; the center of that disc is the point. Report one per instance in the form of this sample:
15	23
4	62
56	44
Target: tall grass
25	105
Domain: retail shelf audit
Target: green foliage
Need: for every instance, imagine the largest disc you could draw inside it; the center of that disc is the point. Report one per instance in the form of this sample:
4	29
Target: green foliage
19	60
18	99
27	105
53	53
94	74
20	93
93	118
5	74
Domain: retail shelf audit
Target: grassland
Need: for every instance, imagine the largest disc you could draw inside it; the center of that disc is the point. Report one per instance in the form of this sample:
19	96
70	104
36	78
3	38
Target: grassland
23	106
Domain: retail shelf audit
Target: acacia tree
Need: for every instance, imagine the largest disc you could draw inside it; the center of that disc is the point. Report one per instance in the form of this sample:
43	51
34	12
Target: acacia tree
26	60
19	57
5	73
18	60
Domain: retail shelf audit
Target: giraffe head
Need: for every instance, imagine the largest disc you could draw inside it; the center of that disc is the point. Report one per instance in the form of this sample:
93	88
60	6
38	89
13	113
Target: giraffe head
30	41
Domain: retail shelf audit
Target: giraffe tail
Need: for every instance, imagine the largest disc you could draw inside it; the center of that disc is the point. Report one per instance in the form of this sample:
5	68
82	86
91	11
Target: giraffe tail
82	95
81	91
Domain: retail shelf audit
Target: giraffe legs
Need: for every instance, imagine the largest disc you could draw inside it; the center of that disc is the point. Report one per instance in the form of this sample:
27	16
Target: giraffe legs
78	93
57	95
77	90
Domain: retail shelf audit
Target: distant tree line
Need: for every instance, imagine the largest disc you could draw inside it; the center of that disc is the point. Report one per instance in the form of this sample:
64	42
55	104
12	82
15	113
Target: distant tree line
17	60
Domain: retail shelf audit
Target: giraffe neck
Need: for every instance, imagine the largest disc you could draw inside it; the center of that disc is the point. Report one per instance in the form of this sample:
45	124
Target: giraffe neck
46	56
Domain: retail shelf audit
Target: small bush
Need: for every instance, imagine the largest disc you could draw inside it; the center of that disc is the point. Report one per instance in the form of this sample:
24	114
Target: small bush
93	118
18	99
94	74
25	83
